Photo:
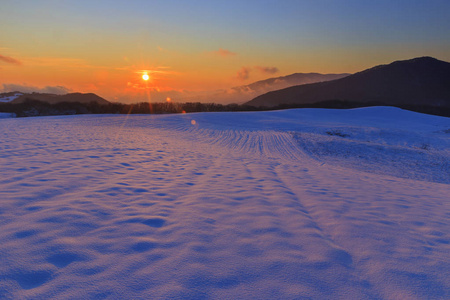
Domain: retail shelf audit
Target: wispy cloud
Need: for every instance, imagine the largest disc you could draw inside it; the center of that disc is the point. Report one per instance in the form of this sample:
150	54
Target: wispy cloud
10	60
223	53
267	70
59	90
243	73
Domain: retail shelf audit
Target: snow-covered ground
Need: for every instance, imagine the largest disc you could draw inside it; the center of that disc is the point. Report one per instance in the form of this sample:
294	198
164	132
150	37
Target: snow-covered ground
6	115
10	98
295	204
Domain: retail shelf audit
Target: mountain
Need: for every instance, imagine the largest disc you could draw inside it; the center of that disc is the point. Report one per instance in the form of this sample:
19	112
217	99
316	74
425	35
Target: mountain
419	81
287	81
18	97
244	93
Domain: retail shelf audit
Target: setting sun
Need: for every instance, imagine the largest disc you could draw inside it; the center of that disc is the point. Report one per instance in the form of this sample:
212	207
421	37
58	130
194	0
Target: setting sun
145	77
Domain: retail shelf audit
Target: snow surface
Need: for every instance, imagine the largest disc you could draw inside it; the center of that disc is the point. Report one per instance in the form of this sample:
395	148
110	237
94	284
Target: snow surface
6	115
295	204
10	98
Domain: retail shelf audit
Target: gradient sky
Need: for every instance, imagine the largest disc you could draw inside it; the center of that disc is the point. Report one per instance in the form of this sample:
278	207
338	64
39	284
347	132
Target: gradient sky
193	46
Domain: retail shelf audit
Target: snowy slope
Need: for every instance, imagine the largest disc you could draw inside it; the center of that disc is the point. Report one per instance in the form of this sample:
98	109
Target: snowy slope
295	204
8	97
6	115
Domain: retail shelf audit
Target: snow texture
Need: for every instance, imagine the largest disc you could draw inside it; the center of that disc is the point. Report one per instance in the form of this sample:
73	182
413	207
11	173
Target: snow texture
295	204
6	115
10	98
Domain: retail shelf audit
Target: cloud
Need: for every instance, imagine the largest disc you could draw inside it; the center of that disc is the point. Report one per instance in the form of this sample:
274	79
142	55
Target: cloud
243	73
59	90
267	70
223	52
10	60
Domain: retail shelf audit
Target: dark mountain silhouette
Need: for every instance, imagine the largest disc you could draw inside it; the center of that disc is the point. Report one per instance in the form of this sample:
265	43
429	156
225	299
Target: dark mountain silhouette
421	81
244	93
289	80
53	99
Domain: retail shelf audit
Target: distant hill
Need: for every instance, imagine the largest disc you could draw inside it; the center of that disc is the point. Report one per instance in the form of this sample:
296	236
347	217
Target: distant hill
244	93
420	81
9	97
287	81
18	97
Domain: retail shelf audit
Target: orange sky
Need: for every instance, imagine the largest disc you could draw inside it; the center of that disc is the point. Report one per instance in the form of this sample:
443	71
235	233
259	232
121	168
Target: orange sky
187	49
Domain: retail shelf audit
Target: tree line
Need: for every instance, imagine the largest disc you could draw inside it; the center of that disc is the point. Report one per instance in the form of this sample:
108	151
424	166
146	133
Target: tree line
31	107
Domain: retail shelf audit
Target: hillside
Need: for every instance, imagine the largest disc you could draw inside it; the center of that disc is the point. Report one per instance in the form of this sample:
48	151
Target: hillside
419	81
18	97
244	93
287	81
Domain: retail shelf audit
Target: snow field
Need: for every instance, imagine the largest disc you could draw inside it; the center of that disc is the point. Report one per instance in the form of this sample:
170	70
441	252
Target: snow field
238	206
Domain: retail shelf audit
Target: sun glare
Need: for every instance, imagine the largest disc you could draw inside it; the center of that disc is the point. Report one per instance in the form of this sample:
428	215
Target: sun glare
145	77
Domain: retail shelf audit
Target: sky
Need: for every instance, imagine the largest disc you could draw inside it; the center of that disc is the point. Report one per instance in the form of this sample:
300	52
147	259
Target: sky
189	48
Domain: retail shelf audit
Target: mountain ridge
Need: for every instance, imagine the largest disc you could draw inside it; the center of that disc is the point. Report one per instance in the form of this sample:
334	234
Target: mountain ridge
19	97
303	78
244	93
418	81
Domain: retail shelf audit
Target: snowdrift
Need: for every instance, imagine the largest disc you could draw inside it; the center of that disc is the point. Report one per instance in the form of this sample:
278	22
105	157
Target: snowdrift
295	204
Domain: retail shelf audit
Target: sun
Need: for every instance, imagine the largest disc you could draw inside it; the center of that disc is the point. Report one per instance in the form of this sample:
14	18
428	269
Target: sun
145	77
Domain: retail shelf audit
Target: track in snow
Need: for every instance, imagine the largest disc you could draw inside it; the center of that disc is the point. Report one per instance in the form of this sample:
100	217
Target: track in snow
155	207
